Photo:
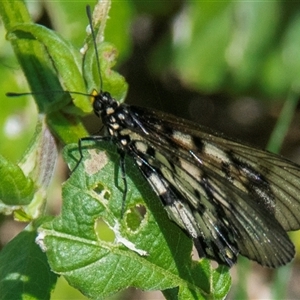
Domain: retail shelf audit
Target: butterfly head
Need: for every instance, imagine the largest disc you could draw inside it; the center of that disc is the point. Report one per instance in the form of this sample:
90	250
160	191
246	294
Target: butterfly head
103	103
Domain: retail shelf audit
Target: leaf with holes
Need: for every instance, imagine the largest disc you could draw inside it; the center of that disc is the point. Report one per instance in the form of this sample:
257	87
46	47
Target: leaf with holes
144	250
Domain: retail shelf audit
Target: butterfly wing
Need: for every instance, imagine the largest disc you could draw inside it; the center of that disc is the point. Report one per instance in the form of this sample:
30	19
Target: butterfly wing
229	197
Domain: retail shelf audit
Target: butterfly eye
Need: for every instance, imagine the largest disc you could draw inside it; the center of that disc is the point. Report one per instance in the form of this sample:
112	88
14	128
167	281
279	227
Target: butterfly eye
106	96
97	105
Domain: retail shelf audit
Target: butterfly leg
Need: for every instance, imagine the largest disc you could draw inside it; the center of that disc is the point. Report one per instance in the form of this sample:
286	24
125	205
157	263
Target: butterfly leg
123	175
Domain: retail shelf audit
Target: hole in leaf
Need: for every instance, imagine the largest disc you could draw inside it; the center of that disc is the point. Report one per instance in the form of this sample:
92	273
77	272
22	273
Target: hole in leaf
103	232
106	195
101	190
135	216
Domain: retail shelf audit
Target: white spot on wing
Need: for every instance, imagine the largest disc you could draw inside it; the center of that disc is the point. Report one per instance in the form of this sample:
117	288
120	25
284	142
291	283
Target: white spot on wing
142	147
182	215
191	169
157	127
211	150
182	138
157	183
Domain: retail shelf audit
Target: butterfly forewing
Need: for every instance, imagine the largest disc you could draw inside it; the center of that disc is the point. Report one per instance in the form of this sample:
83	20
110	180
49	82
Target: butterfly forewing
272	180
230	198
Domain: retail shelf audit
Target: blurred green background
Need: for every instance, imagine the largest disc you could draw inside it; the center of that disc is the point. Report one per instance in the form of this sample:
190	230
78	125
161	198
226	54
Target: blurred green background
229	65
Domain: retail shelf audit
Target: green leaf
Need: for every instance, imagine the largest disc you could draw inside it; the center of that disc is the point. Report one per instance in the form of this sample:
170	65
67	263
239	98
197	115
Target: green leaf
121	15
14	12
151	254
111	80
68	128
66	62
220	282
23	186
24	270
15	187
32	55
100	76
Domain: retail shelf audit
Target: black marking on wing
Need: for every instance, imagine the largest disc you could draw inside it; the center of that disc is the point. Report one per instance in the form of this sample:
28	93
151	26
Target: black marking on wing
212	239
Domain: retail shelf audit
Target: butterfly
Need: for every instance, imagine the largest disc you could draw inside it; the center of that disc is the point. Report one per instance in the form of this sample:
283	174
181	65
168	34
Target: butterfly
228	197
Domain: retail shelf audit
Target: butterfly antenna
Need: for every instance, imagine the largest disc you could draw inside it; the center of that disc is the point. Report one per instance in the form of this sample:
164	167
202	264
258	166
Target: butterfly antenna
12	94
89	15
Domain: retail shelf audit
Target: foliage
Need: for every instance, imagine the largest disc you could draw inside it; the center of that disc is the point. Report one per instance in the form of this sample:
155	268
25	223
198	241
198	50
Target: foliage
214	47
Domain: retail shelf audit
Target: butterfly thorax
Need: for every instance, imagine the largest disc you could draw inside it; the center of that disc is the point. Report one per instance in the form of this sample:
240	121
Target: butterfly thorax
115	117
